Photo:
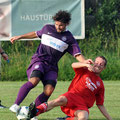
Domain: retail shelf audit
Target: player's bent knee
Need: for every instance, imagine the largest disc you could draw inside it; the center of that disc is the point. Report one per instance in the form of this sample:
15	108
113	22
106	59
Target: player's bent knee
48	93
82	118
82	115
48	90
34	80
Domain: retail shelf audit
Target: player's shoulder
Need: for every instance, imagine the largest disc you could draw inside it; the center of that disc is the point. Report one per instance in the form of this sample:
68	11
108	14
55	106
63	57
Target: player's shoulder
98	79
69	33
70	37
79	70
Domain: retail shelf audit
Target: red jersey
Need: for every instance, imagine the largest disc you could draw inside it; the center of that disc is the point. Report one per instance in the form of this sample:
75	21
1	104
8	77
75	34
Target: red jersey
84	90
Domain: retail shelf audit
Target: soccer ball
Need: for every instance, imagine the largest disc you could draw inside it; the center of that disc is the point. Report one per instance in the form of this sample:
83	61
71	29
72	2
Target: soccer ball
23	113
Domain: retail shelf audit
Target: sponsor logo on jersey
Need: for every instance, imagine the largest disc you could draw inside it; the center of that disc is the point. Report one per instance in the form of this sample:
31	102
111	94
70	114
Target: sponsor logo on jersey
36	66
53	42
98	83
64	38
49	33
90	84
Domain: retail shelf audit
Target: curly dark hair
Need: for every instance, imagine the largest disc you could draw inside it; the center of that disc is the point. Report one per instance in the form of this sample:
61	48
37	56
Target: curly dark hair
62	16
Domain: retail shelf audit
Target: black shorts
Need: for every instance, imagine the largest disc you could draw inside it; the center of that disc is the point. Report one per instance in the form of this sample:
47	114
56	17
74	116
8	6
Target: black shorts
39	74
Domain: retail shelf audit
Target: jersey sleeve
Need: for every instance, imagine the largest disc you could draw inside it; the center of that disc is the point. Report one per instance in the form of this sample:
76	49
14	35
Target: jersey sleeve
40	32
100	96
74	48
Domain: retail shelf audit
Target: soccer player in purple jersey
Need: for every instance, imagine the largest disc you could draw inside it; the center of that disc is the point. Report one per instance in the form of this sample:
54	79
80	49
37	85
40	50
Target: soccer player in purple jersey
55	42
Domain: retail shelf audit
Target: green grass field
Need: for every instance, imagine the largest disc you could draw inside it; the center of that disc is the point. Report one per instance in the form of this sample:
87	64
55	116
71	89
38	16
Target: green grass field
9	90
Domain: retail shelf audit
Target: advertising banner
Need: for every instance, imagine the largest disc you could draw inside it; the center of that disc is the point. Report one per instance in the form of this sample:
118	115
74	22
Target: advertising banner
22	16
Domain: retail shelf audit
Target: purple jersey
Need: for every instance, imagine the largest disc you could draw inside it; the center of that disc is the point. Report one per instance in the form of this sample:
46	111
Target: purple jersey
54	45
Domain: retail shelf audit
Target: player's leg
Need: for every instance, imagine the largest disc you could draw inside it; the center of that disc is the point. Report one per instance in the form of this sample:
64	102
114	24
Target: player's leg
35	111
60	101
81	115
44	96
24	90
49	81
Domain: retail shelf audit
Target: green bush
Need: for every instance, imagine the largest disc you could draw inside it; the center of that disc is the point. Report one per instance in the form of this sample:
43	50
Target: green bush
19	61
107	13
20	54
97	44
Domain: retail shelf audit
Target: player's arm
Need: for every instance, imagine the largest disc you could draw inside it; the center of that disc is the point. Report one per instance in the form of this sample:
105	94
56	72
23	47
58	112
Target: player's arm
81	58
29	35
82	64
104	112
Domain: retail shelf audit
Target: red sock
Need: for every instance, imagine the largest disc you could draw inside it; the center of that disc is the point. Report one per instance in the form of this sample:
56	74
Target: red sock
41	108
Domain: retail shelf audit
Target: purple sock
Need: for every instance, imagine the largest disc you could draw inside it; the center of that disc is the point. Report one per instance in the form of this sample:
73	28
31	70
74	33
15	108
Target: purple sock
24	90
41	98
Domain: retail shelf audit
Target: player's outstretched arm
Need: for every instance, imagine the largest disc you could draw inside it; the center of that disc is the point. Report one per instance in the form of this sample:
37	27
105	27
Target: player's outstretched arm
29	35
82	64
104	112
81	58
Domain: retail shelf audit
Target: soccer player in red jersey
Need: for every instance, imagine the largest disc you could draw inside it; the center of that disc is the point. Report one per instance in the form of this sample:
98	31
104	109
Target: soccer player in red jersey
86	88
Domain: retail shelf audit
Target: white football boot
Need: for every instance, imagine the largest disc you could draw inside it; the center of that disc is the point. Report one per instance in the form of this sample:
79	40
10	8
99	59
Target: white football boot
14	108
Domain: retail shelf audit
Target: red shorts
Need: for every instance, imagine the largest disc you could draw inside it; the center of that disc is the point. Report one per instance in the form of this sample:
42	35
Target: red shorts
75	102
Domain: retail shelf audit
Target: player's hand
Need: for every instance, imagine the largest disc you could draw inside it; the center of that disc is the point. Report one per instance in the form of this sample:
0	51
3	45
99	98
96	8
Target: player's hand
89	61
13	39
90	67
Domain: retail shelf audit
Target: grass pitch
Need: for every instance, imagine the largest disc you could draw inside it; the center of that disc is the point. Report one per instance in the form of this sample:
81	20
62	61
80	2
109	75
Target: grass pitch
9	90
